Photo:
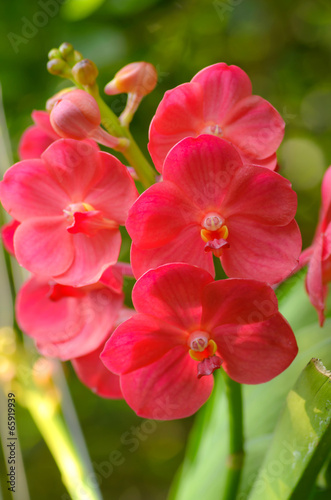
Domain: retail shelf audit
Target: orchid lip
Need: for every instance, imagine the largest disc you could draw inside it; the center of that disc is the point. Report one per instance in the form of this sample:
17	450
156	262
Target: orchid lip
71	209
83	218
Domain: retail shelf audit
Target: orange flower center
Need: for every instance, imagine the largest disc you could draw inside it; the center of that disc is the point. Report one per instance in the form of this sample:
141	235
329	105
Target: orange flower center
201	345
214	233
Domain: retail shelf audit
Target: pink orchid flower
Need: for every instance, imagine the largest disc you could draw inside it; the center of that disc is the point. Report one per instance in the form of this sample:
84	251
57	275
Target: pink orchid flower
36	138
70	203
93	373
67	322
186	326
218	101
318	255
210	203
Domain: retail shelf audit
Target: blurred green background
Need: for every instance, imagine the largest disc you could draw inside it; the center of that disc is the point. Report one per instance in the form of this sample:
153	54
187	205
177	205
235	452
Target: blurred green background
285	49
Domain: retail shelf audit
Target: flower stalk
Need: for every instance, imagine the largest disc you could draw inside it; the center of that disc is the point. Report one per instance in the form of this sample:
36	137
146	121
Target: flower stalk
33	383
50	424
235	457
132	152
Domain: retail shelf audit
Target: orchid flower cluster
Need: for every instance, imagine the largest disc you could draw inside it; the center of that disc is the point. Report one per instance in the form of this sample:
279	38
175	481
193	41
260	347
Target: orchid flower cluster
217	198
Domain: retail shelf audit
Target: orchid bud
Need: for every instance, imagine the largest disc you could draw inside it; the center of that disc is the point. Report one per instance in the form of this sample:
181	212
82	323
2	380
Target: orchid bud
85	72
58	67
138	78
66	50
54	54
50	103
76	115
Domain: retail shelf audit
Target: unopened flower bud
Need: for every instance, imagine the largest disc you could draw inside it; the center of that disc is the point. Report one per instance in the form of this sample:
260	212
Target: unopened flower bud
58	67
85	72
76	115
66	50
77	56
50	103
54	54
138	78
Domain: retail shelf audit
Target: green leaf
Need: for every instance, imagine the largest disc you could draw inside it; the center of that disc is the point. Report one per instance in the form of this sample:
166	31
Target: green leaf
202	473
302	439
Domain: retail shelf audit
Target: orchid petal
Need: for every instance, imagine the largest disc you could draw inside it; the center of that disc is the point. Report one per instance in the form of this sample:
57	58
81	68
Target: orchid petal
223	86
254	126
33	143
42	245
92	256
167	389
115	191
255	353
179	115
237	301
75	165
159	215
186	247
140	341
269	253
256	187
28	190
172	289
203	168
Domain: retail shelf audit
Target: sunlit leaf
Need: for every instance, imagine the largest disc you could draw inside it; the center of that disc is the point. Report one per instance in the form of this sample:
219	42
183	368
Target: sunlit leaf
302	439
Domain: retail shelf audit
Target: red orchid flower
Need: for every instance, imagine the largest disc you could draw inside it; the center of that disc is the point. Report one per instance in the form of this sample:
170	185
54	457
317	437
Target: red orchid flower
210	203
186	326
319	254
67	322
70	204
218	101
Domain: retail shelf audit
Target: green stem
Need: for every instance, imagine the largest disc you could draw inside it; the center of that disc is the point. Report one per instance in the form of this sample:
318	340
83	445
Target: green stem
235	458
51	425
132	153
138	161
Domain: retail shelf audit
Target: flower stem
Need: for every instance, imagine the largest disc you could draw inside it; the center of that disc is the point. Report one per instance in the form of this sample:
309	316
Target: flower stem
52	427
132	153
138	161
235	458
